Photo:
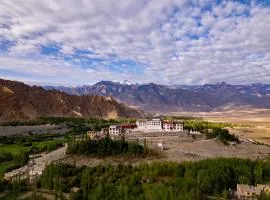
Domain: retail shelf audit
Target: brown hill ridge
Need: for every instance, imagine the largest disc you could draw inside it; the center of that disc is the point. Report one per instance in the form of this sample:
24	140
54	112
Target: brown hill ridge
22	102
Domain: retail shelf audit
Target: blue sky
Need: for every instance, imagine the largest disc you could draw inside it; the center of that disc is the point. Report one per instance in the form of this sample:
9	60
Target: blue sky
68	42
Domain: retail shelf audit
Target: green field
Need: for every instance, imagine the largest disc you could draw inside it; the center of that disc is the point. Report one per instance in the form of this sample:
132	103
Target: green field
12	148
16	148
46	143
4	166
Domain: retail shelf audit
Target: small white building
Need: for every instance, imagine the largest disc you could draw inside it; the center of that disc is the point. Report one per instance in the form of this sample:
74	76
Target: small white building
194	132
162	146
92	135
115	130
251	192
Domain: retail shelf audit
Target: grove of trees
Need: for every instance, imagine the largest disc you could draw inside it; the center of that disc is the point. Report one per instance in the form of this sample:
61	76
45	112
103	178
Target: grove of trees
223	135
203	126
188	181
105	147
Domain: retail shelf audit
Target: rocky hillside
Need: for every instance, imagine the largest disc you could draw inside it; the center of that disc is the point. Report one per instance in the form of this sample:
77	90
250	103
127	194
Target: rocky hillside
21	102
152	97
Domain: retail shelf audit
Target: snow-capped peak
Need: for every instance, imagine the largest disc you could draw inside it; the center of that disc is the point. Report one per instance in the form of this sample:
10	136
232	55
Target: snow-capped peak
126	82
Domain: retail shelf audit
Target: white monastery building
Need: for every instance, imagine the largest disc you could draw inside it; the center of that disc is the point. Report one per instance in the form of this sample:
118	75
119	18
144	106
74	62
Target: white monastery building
159	125
172	127
154	124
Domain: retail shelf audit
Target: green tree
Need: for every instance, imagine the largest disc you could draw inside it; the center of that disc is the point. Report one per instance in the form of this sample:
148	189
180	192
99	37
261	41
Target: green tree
258	172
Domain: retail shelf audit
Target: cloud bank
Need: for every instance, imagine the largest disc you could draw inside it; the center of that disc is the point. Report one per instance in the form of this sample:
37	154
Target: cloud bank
162	41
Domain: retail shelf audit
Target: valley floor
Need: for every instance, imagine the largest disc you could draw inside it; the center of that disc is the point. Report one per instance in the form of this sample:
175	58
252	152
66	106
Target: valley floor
179	149
248	123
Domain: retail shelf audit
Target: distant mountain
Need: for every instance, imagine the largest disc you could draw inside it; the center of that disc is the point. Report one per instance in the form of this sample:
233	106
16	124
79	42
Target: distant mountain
254	95
21	102
152	97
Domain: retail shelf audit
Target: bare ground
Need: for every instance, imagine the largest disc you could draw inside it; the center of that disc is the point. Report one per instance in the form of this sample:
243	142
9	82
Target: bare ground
39	129
248	123
186	149
179	149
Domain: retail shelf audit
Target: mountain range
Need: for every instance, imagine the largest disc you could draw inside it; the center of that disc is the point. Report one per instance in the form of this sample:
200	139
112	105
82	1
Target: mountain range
23	102
161	98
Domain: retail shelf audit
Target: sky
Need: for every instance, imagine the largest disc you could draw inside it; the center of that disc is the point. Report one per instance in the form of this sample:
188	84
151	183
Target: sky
80	42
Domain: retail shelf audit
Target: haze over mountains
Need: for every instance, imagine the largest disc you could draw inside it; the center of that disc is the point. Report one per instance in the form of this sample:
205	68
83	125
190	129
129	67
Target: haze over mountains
22	102
160	98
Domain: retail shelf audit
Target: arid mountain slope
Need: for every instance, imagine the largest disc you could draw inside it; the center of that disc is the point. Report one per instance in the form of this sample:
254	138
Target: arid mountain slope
21	102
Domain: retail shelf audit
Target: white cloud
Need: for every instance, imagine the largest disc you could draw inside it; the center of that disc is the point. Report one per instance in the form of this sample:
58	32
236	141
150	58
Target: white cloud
65	49
176	42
